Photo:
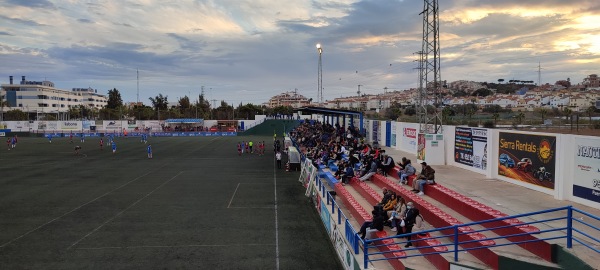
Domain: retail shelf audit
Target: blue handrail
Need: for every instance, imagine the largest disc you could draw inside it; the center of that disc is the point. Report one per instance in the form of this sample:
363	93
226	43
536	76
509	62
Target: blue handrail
455	245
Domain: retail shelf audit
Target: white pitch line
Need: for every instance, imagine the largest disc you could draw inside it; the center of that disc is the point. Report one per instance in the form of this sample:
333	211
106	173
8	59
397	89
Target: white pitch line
252	207
236	188
76	208
123	211
276	220
175	246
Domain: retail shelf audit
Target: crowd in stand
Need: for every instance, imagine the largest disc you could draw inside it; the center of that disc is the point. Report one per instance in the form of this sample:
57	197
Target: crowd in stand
325	144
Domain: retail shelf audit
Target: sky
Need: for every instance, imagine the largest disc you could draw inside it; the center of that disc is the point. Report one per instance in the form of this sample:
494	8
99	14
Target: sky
246	51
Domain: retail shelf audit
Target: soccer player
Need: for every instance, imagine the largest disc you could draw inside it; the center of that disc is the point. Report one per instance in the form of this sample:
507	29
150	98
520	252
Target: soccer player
101	144
71	137
250	145
247	147
82	137
50	138
77	148
239	149
114	146
243	146
149	151
13	142
8	144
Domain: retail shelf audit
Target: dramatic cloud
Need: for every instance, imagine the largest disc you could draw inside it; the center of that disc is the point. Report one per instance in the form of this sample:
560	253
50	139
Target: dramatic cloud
250	50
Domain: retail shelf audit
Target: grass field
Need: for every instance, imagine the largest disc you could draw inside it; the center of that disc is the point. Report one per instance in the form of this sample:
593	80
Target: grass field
195	205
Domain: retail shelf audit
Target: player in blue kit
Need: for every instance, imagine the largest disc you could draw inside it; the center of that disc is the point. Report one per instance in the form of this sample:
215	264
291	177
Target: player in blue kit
114	147
149	151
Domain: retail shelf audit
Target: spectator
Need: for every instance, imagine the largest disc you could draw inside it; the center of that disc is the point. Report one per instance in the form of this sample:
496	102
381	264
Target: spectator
409	219
388	164
386	196
376	223
372	171
396	213
406	172
348	174
427	176
391	203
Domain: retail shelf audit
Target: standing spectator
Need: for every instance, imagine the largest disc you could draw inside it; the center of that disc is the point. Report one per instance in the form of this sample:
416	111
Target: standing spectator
409	219
376	223
278	157
427	176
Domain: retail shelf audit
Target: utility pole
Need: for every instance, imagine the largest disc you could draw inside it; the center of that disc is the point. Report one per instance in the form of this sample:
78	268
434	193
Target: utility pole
539	72
358	92
214	107
138	87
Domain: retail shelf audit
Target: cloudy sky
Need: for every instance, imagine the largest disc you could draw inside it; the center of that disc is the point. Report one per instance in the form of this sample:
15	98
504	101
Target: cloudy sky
249	50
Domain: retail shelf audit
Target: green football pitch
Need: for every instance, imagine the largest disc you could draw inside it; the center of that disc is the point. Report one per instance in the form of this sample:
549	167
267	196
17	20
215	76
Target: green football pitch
195	205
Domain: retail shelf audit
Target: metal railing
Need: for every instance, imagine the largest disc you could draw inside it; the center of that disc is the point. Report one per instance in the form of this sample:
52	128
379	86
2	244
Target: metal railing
569	232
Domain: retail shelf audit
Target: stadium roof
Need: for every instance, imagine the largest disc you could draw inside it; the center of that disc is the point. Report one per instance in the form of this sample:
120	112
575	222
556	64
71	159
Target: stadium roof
184	121
320	110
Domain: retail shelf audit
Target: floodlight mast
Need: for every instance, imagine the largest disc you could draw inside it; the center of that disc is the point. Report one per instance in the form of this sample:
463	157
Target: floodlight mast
320	76
430	82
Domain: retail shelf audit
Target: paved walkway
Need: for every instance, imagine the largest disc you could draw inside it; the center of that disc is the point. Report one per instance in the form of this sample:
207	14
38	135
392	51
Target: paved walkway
506	197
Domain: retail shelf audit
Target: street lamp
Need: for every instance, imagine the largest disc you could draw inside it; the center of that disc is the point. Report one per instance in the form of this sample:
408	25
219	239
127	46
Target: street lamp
320	76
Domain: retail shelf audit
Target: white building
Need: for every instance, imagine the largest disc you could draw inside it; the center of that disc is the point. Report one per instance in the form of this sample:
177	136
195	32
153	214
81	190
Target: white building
43	97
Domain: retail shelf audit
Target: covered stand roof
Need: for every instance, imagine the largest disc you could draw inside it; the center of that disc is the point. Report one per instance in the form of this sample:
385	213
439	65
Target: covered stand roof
335	112
184	121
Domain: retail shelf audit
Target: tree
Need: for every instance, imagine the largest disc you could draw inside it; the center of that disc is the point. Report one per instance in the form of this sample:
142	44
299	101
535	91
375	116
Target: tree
114	99
495	116
590	112
394	111
519	117
160	102
567	113
500	80
15	115
542	112
410	111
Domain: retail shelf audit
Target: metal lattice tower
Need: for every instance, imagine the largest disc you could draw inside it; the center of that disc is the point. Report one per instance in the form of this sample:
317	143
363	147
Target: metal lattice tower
430	82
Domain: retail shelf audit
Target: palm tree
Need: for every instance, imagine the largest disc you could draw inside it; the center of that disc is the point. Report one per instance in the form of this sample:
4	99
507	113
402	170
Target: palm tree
543	112
590	112
519	117
495	116
568	112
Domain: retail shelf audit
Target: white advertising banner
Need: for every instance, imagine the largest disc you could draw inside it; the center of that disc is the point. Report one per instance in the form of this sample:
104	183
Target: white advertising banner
70	125
112	125
408	137
470	147
393	134
586	172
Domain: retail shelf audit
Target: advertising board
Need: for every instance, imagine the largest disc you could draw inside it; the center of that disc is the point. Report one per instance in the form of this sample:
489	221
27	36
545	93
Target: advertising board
408	137
527	158
586	171
470	147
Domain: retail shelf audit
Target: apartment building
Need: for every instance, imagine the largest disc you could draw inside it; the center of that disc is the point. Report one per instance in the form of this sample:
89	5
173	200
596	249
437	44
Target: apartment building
43	96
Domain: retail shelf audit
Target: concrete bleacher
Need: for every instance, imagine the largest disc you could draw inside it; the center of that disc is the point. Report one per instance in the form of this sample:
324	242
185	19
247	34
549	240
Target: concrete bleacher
459	197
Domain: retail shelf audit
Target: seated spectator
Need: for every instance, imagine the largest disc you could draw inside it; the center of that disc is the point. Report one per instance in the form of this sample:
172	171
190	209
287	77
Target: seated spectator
386	196
402	163
391	203
348	174
388	164
395	214
427	176
406	172
372	171
376	223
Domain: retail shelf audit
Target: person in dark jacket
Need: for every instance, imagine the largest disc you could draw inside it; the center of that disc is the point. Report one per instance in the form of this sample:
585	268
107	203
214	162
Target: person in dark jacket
376	223
409	218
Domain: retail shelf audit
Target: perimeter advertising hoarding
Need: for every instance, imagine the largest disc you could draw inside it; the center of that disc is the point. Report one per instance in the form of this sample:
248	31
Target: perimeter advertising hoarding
421	147
528	158
375	133
586	172
69	125
393	134
470	147
408	137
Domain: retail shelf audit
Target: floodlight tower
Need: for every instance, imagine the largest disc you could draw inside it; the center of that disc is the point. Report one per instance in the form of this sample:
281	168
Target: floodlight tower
320	76
430	82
